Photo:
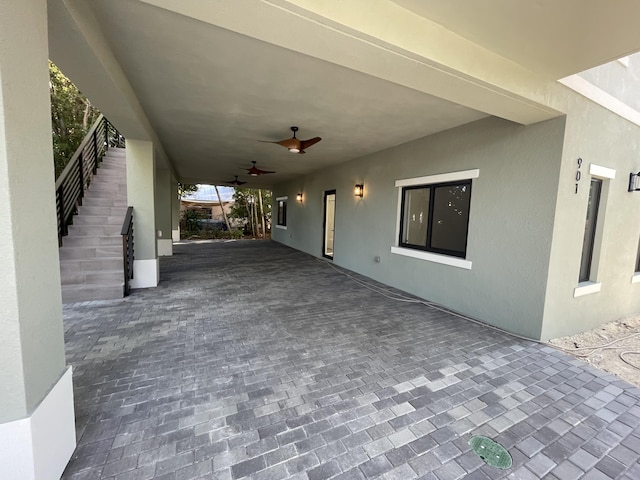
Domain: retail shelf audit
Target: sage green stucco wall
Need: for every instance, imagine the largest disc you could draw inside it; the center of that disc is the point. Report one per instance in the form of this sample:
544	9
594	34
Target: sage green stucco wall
163	203
602	138
32	355
510	226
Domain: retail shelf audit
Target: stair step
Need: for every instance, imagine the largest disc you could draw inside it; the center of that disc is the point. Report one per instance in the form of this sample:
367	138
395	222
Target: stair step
84	293
105	186
92	277
99	210
91	255
92	240
104	202
83	230
106	194
110	178
110	168
97	220
89	252
90	264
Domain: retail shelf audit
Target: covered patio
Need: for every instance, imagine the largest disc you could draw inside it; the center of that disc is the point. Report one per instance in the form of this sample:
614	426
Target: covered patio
253	360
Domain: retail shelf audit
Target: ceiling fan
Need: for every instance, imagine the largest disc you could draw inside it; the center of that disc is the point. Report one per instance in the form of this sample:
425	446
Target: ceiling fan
295	145
255	171
236	182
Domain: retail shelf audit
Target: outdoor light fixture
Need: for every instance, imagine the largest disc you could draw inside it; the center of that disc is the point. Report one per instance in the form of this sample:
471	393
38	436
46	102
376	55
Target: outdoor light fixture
299	197
358	190
634	182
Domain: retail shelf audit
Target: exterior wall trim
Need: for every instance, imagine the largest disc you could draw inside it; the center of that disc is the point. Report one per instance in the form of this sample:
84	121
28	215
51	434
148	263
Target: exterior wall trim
586	288
41	445
145	273
602	98
165	247
441	177
433	257
602	172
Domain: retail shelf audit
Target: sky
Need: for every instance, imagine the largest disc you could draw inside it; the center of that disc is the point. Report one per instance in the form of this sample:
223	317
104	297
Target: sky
208	193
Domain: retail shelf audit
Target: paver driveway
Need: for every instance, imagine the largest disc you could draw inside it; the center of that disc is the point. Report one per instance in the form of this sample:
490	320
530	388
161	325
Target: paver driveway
252	360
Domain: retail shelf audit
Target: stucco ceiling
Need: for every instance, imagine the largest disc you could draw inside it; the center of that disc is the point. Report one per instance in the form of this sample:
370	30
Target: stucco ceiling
212	95
206	81
551	37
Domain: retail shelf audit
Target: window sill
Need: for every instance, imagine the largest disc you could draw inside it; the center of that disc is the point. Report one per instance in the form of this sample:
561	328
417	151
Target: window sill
635	278
281	227
433	257
586	288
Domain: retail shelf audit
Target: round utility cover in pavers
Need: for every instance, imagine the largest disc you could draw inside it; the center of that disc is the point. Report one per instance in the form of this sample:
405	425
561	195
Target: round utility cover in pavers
490	452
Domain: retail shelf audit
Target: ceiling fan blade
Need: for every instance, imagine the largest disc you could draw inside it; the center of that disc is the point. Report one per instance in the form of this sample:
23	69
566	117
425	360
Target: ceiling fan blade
235	182
289	143
254	171
304	144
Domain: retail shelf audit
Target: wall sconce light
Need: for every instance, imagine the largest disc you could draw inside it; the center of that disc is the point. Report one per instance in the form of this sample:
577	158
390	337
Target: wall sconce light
358	190
634	182
299	197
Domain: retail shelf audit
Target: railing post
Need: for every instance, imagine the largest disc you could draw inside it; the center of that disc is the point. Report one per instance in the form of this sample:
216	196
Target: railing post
127	249
106	134
62	224
81	176
95	151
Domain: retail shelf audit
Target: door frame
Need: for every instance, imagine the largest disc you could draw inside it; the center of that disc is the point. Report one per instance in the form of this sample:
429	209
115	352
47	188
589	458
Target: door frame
324	222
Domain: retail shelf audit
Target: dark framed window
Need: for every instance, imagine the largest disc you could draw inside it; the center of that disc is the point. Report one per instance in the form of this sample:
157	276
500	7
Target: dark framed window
590	230
282	212
435	217
638	259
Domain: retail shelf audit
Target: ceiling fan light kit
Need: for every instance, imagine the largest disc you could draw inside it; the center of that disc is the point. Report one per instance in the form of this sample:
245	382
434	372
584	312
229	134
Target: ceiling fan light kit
295	145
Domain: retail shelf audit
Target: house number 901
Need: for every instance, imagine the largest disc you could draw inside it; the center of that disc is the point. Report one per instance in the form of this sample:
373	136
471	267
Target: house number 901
578	173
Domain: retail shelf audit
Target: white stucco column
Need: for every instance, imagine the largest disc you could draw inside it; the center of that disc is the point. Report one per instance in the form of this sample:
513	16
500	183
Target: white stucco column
141	196
163	213
175	211
37	432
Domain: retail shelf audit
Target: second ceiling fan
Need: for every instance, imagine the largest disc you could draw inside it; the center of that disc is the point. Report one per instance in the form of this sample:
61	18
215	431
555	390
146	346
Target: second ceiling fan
295	145
255	171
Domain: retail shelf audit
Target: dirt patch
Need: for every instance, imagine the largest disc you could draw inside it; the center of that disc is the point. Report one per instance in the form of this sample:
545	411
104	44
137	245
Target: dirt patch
602	347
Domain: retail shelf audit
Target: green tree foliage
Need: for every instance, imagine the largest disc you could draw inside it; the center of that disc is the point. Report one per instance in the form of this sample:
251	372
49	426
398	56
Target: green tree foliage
186	189
71	117
245	203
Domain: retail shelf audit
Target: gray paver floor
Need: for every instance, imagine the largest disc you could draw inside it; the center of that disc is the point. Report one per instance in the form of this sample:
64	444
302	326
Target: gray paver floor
252	360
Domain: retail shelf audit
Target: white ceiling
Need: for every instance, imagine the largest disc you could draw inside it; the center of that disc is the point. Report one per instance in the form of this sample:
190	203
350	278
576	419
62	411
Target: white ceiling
552	37
212	95
208	81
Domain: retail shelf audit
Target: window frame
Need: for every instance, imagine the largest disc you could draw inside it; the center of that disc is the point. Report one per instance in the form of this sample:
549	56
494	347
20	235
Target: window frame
457	262
592	285
428	247
589	243
281	221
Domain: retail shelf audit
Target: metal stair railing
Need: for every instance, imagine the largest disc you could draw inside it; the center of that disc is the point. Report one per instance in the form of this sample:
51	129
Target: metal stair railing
127	249
76	176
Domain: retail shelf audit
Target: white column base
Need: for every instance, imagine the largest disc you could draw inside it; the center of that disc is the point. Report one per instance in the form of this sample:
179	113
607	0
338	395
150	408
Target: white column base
40	446
175	235
146	273
165	247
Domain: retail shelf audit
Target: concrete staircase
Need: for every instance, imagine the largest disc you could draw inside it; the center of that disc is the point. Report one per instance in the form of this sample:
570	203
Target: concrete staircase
91	255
